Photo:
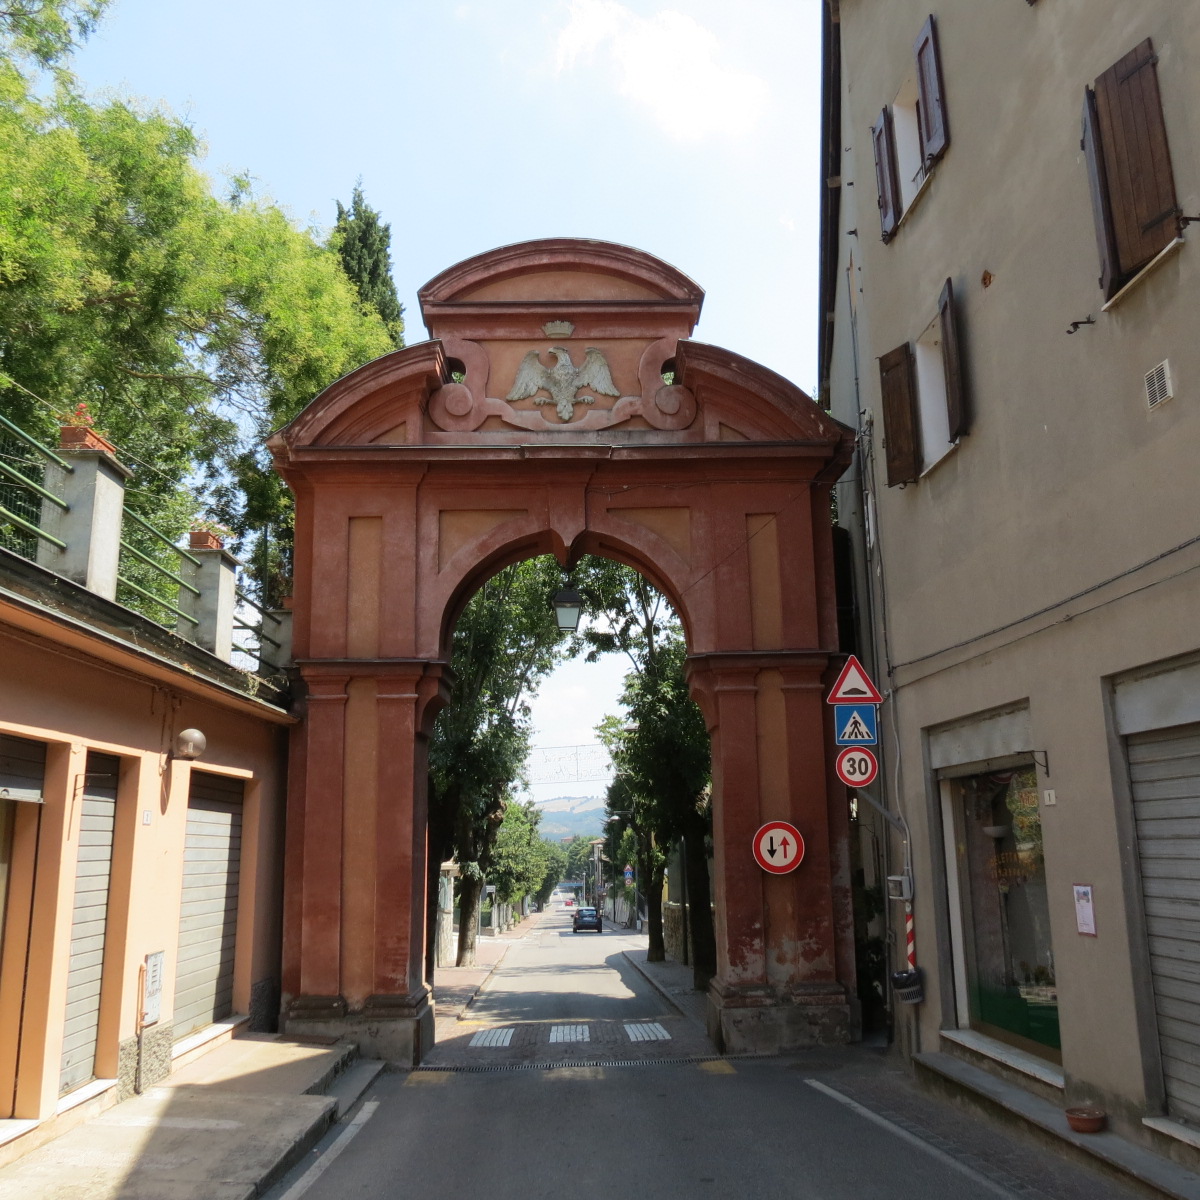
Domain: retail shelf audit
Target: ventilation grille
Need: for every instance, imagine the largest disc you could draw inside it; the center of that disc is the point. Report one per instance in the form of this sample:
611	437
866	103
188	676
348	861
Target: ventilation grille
1158	384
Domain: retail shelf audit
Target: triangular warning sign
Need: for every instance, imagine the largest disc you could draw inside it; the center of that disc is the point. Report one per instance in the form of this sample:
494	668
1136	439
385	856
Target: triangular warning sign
854	684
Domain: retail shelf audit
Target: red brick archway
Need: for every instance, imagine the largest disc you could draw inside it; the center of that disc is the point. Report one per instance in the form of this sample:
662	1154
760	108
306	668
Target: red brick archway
422	473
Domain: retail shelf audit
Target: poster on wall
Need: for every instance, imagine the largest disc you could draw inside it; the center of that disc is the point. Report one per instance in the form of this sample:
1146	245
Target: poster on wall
1085	909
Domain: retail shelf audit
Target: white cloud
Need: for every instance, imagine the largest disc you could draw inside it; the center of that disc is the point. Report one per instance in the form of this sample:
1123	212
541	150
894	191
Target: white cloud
667	64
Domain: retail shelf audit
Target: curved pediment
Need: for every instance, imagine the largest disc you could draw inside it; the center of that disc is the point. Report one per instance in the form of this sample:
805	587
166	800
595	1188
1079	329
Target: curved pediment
559	270
562	340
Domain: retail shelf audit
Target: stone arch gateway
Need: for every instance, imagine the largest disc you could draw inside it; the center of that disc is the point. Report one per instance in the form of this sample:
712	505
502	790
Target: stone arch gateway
561	408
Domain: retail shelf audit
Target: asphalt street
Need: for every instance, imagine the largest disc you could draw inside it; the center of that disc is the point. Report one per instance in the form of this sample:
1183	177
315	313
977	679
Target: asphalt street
507	1118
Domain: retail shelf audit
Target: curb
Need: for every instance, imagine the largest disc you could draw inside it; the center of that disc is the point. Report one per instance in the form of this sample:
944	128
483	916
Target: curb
298	1149
658	987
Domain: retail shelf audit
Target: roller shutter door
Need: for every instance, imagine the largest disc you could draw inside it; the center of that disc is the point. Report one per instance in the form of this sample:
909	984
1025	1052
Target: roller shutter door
208	916
1164	770
89	920
22	768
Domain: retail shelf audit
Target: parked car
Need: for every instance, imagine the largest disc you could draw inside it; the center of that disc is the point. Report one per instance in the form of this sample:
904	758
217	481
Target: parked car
586	918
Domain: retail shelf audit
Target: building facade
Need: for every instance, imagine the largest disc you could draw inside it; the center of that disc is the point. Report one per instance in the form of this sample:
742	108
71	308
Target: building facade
1008	320
140	877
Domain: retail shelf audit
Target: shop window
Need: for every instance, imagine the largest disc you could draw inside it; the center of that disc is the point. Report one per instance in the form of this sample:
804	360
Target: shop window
923	396
1003	934
1129	168
911	134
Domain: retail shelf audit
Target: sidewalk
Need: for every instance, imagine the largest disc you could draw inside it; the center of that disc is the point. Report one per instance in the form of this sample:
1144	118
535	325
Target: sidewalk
674	981
222	1128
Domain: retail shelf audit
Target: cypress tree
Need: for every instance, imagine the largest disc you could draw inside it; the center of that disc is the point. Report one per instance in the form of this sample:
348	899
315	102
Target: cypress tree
364	243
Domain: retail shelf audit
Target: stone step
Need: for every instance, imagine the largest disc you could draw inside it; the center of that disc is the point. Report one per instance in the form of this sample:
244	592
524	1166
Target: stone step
351	1084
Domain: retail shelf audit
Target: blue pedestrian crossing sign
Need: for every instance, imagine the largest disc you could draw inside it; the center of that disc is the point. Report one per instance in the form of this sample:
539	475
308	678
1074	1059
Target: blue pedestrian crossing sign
855	724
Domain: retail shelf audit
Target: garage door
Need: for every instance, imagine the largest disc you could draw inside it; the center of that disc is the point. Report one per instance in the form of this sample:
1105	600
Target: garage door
1164	769
89	920
208	917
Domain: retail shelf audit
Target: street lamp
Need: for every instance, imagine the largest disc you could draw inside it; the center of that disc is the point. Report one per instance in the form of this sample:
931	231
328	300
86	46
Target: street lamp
568	607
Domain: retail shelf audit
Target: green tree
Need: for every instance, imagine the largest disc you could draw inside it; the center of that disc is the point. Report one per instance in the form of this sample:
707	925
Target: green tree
505	641
364	243
45	31
554	873
189	324
660	748
520	857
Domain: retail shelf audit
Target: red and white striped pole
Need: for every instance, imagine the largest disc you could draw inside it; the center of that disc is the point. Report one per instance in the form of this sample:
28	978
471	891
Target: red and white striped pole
910	939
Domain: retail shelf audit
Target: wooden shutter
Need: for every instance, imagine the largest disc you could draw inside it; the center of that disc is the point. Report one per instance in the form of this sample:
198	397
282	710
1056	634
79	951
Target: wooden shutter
901	429
931	110
1098	183
886	175
956	408
1141	186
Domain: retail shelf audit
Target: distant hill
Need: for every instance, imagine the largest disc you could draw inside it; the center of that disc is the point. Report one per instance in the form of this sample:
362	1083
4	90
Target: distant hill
571	816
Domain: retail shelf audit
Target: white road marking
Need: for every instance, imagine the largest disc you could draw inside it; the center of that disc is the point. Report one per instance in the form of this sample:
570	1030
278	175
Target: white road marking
326	1160
947	1159
570	1033
493	1037
647	1031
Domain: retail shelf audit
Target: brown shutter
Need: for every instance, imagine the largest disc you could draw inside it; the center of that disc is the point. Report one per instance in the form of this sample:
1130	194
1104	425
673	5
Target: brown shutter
956	407
931	110
1098	183
900	427
1141	186
886	176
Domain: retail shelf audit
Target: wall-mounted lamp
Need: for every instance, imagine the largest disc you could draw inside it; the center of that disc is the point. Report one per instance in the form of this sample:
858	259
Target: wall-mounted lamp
568	608
189	745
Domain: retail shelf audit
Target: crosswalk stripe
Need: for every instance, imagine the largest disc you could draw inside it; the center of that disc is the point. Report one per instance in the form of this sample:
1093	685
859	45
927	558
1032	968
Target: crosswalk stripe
570	1033
493	1037
647	1031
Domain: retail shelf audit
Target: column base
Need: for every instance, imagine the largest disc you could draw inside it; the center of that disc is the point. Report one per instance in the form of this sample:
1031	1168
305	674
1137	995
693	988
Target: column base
773	1021
397	1029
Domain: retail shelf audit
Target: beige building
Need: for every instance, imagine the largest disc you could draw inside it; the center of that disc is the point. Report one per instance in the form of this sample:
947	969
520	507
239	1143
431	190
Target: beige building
1009	320
140	884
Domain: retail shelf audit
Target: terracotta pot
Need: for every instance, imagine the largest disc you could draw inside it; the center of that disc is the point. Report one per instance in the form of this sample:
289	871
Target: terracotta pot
1087	1120
201	539
82	437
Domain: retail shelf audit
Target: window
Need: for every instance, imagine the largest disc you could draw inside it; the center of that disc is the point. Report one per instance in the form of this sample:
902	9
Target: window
924	410
911	134
1129	167
1003	923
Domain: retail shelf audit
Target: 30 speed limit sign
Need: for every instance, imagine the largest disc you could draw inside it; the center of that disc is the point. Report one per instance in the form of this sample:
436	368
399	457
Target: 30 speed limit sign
856	766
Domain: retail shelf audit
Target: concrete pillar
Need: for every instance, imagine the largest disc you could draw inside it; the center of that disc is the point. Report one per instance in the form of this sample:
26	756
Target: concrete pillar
94	489
783	980
216	579
357	882
277	624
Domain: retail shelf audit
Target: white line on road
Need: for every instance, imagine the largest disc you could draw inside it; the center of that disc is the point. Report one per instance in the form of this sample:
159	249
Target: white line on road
947	1159
323	1163
493	1037
570	1033
647	1031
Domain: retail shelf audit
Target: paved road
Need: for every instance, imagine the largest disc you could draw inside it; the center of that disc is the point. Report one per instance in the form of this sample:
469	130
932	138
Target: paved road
664	1119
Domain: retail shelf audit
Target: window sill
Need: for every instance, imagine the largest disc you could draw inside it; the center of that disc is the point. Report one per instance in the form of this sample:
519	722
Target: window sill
1168	251
911	206
937	462
1173	1129
84	1093
1010	1056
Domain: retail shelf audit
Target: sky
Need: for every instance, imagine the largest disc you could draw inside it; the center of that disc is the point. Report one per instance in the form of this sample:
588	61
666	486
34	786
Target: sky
688	129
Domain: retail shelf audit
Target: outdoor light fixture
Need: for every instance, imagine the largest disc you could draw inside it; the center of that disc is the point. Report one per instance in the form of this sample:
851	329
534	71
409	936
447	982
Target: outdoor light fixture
568	607
190	744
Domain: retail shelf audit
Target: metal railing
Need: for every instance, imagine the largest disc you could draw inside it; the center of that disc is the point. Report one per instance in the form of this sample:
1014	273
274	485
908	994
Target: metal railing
158	570
259	631
19	491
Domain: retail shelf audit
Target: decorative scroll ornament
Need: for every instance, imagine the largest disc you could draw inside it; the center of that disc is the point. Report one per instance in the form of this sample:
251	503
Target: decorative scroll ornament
563	380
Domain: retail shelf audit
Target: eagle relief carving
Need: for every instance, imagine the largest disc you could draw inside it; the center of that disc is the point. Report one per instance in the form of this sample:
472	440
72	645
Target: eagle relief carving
563	380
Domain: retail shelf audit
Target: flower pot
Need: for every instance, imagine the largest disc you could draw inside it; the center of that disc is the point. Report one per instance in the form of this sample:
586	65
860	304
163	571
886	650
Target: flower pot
201	539
1087	1120
83	437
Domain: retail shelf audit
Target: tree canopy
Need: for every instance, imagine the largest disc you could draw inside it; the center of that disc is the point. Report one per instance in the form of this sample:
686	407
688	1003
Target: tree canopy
190	324
364	244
